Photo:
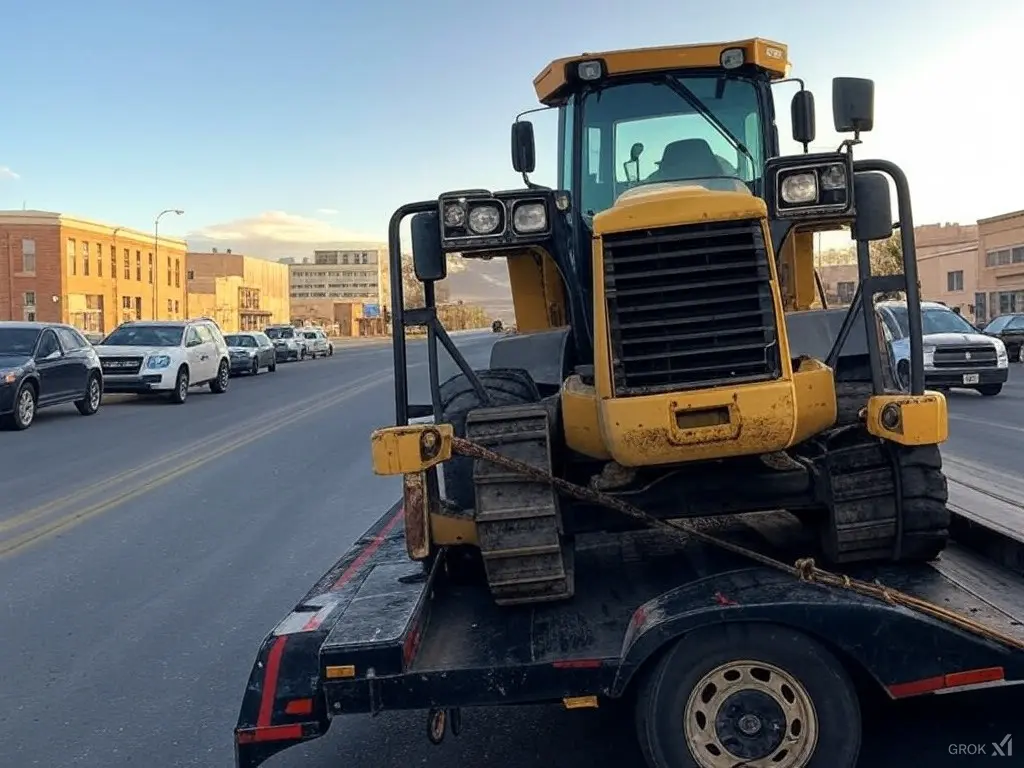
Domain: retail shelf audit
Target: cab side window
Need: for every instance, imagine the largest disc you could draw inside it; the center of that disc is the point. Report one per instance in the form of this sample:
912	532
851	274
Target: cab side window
204	333
192	338
70	340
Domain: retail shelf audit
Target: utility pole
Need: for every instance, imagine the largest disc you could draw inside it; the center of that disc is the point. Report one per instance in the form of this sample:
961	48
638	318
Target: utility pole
156	256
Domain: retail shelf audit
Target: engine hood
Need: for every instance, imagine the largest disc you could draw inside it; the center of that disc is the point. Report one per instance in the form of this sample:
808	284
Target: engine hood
673	203
956	339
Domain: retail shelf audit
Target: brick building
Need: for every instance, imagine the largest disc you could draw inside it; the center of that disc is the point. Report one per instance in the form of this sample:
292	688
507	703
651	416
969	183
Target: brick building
60	268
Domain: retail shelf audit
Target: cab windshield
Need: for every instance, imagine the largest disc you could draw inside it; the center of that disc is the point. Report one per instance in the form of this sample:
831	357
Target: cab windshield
703	130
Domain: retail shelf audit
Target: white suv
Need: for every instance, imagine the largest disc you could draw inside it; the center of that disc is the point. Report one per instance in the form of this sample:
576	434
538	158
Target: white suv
164	357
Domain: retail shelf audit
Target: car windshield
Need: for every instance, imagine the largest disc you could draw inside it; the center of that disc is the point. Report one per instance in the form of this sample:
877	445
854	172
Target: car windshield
240	340
19	342
280	333
701	129
999	323
933	321
309	334
145	336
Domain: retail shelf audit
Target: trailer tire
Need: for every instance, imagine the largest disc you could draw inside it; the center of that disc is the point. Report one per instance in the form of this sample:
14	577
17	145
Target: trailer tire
506	386
732	685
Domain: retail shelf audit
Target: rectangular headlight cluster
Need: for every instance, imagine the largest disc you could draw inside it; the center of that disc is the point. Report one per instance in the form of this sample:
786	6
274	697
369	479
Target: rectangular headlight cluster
810	185
493	220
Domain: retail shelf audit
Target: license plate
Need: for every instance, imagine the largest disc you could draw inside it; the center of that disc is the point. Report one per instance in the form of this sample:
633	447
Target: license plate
970	378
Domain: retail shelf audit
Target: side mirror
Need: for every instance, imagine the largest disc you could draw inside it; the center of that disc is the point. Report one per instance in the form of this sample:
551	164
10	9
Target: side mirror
428	260
53	355
802	116
874	207
524	153
853	104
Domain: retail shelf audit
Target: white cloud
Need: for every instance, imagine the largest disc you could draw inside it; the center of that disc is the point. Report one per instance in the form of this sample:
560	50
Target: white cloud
7	173
327	211
273	234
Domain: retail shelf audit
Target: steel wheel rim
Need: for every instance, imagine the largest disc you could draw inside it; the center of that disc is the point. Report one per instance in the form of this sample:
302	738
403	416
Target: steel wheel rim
182	386
94	393
223	375
26	406
725	719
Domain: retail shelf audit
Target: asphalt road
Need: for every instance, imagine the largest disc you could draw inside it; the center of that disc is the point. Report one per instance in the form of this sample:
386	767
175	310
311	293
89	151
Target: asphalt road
146	551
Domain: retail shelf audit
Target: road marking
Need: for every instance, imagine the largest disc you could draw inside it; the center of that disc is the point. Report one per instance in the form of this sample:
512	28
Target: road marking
45	530
985	422
286	413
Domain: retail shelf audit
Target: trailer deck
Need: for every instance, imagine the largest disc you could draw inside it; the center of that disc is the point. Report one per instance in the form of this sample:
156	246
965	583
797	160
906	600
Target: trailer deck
379	632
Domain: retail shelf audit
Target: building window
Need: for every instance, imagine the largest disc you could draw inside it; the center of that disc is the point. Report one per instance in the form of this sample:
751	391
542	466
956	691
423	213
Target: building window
72	258
150	268
177	273
1018	255
249	298
113	261
138	266
955	281
177	307
998	258
29	299
85	259
845	291
99	260
168	271
138	304
127	265
28	256
170	307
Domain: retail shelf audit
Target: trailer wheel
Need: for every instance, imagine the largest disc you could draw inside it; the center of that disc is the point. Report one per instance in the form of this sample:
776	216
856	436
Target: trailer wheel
748	695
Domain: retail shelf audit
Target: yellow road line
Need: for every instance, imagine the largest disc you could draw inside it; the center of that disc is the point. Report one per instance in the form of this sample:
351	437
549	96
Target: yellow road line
284	415
66	521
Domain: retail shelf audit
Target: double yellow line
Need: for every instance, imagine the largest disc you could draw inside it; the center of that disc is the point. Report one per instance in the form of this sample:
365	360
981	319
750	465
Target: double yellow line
196	454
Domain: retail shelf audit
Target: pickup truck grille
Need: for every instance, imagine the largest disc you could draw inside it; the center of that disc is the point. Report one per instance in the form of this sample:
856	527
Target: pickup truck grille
690	307
965	356
121	365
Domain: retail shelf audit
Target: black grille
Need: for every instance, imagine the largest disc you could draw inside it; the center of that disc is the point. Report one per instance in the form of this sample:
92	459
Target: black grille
121	365
689	307
965	356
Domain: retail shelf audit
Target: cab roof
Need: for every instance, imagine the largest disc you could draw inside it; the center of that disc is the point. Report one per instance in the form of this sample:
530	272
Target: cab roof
552	83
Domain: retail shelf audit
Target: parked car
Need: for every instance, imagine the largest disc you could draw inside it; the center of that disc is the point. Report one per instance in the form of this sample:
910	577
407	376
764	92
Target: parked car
955	353
317	343
46	364
1010	330
289	344
165	357
251	351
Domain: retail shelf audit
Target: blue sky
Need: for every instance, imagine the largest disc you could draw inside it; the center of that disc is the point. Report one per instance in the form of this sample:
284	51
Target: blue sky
258	117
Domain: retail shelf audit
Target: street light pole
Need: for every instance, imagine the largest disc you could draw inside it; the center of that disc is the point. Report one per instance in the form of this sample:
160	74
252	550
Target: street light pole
156	255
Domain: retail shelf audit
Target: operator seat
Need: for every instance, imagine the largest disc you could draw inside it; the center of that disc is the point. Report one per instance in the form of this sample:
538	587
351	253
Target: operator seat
692	159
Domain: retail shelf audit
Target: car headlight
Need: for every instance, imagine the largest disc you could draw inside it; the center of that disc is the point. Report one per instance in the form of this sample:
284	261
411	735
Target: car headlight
929	355
528	218
158	361
9	376
1002	359
484	219
454	215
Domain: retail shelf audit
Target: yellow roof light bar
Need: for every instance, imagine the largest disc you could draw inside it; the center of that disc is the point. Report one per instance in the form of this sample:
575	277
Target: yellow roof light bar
553	84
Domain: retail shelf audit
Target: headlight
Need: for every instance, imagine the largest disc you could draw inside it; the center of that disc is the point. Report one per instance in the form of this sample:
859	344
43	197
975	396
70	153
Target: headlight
454	215
800	189
158	361
528	218
929	355
484	219
1002	359
8	377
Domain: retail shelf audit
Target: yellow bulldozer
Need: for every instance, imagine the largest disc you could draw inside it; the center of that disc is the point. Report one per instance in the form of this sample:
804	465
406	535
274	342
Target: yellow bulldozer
675	348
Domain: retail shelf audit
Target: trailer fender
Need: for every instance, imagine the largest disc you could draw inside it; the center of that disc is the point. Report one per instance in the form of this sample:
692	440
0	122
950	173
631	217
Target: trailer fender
899	649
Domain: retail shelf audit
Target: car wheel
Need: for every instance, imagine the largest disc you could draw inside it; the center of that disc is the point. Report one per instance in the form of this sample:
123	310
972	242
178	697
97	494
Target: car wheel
89	404
24	408
272	367
330	350
254	369
990	390
220	384
1013	353
181	384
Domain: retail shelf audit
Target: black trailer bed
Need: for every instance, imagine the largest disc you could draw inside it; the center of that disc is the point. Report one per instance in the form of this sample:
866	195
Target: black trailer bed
378	632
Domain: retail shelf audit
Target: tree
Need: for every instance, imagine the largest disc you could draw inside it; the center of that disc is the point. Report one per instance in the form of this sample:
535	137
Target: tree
887	259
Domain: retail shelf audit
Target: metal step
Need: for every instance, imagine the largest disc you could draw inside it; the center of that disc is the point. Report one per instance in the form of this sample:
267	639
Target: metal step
518	520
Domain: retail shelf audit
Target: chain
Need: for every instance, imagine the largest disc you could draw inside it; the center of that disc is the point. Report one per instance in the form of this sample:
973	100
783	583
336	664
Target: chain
804	569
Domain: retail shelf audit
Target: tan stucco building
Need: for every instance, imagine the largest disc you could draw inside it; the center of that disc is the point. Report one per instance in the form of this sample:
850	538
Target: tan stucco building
60	268
241	293
999	287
